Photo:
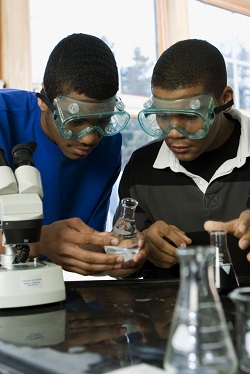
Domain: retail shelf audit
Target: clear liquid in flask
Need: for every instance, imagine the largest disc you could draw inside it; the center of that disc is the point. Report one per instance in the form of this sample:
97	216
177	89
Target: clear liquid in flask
125	230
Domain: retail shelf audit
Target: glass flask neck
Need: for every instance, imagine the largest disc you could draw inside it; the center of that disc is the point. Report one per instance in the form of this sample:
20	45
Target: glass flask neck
196	270
225	276
128	206
218	238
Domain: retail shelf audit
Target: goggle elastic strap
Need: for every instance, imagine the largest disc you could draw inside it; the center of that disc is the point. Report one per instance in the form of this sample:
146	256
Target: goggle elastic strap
219	109
43	96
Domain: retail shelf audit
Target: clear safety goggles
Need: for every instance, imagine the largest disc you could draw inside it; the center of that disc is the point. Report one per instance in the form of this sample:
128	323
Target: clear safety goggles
77	118
191	116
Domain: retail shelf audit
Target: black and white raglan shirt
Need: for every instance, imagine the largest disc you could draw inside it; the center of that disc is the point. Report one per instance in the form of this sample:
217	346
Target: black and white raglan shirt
167	190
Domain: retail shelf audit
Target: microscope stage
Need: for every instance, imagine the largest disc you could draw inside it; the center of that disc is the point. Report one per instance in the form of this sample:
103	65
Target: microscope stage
31	283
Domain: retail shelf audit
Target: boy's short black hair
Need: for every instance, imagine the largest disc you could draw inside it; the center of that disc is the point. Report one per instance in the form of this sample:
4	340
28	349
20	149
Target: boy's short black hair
189	63
83	64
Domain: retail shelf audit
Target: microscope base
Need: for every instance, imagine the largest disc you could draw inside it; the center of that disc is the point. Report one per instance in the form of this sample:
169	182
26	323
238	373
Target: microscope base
30	284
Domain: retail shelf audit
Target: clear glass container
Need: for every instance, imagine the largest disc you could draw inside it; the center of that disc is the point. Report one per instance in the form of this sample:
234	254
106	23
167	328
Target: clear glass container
125	230
225	277
241	299
199	341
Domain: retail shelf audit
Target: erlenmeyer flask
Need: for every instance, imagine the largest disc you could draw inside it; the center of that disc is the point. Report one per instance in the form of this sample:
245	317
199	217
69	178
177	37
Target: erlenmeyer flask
125	230
199	341
241	299
225	277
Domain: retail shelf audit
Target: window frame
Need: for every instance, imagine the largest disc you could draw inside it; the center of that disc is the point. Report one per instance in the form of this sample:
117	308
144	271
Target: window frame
15	46
242	6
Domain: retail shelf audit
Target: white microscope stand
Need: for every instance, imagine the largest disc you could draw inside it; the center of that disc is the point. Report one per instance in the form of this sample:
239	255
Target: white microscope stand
31	283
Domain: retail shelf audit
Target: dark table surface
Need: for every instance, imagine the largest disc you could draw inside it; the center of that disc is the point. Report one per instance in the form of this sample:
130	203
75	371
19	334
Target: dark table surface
102	326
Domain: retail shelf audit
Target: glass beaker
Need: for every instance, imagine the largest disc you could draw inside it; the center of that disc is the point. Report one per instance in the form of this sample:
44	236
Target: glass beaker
125	230
199	341
241	299
225	277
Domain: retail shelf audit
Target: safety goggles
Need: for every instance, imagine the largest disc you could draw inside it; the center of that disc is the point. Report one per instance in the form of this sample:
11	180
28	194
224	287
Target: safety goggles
191	116
77	118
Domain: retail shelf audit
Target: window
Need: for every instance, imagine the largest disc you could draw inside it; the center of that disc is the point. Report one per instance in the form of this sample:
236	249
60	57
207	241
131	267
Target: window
136	30
128	27
208	22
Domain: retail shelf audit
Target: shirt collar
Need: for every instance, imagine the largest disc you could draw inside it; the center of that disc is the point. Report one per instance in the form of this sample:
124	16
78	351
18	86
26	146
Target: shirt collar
166	158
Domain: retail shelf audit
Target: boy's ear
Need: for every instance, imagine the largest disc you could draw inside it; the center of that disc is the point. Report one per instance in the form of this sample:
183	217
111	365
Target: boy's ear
42	105
227	94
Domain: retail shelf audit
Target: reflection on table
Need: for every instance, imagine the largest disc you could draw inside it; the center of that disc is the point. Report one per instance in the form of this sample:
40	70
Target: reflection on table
102	326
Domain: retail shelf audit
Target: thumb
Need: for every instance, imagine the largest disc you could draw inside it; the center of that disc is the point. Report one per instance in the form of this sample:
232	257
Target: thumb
217	225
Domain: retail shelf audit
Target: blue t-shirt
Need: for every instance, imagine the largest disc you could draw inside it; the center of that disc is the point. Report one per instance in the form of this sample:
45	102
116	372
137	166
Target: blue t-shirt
72	188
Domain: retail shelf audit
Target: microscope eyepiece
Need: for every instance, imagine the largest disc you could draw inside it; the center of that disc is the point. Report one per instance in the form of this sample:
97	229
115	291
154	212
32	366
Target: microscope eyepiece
23	154
3	161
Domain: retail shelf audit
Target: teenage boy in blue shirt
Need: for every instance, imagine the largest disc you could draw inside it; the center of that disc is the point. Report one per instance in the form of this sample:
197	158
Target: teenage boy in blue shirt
76	122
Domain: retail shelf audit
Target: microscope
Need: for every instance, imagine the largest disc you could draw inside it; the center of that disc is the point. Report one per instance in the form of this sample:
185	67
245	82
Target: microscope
24	282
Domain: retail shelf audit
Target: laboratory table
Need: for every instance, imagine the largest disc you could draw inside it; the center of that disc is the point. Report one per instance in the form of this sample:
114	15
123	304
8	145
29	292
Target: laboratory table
102	326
